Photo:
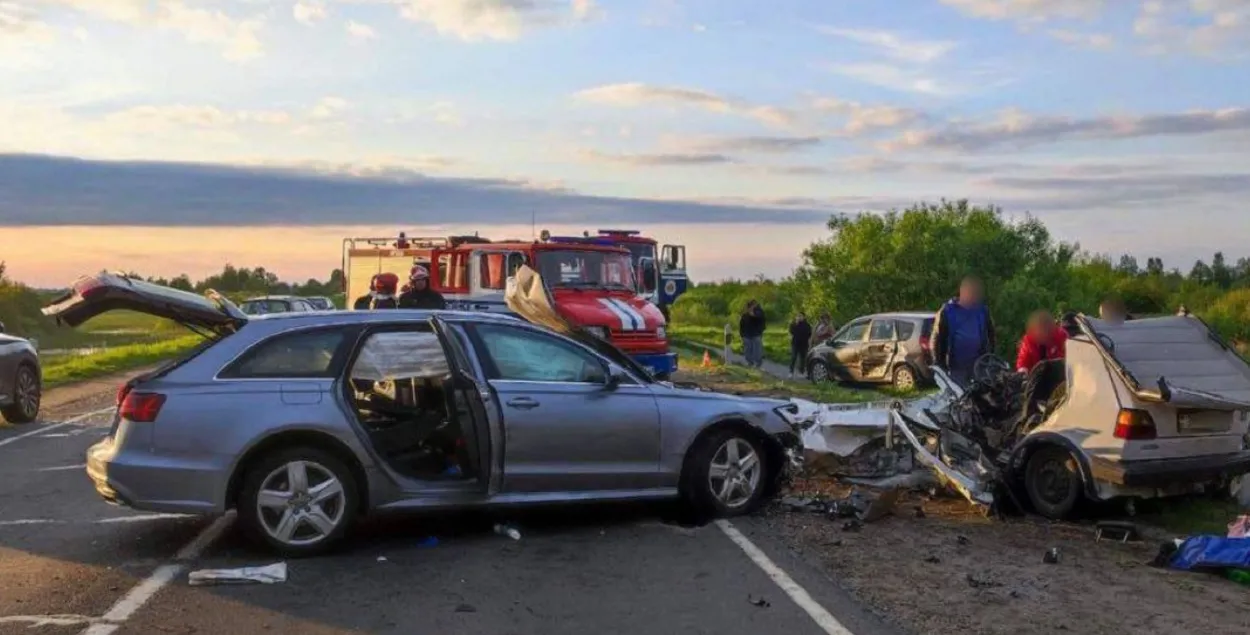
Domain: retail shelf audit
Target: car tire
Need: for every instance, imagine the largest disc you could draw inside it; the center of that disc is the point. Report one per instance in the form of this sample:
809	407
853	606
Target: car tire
904	378
712	495
1053	482
27	394
292	520
819	372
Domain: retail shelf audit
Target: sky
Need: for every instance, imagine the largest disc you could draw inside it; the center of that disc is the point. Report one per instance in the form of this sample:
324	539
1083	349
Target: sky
172	136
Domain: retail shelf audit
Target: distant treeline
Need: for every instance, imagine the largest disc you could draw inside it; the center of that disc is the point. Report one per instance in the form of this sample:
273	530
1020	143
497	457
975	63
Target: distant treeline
913	260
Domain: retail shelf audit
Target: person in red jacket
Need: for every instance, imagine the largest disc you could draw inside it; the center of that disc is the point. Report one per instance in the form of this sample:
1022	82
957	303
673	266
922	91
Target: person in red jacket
1043	340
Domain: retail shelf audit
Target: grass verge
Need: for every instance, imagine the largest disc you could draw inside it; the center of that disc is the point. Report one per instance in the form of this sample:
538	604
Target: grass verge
740	380
64	370
776	342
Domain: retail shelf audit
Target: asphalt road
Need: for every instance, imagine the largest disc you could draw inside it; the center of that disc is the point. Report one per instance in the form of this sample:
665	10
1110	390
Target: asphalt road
70	563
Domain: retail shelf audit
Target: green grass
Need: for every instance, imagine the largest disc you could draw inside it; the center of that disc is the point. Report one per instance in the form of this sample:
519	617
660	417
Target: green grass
115	328
1187	516
74	368
776	342
739	379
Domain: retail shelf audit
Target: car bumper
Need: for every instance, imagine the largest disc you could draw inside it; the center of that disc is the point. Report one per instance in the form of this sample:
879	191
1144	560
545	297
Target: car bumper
660	364
1166	472
149	482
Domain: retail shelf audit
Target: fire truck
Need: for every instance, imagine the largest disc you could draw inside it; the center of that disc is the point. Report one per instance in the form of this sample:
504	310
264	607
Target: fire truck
660	281
592	286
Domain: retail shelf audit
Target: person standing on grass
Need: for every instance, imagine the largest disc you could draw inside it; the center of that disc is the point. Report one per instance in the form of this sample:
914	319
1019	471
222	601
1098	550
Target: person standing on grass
729	341
800	339
824	330
963	331
751	329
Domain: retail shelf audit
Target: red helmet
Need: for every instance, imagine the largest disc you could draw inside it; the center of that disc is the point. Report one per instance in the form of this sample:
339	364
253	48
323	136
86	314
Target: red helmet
419	272
385	283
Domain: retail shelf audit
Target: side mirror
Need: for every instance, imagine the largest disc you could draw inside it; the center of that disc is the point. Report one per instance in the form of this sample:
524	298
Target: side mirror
613	381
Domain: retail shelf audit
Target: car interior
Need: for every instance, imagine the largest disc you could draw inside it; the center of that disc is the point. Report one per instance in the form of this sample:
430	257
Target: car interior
408	402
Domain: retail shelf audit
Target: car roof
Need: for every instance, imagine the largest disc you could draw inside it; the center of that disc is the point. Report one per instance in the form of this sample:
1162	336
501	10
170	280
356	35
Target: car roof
276	297
330	318
907	315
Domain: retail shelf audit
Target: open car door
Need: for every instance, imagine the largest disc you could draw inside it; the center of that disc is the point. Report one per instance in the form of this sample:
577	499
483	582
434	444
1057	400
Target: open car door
90	296
472	397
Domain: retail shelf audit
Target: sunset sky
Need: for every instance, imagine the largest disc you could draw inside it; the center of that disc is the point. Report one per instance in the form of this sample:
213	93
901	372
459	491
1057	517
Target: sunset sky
171	136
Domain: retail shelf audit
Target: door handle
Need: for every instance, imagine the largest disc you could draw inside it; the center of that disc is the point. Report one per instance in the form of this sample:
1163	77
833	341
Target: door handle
522	403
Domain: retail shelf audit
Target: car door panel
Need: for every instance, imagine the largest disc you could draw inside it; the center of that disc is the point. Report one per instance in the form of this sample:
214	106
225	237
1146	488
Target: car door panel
848	345
878	350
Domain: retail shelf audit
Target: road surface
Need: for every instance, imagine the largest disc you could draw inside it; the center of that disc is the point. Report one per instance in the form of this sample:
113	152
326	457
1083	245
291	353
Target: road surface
70	563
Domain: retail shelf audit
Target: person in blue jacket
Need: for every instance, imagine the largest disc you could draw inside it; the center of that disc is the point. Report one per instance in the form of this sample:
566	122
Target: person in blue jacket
963	331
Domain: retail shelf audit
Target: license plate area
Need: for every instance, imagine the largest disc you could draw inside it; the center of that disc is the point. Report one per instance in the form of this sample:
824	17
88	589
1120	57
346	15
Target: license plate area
1205	421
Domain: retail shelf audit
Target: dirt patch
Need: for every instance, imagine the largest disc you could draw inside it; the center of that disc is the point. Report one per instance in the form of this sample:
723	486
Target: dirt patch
948	569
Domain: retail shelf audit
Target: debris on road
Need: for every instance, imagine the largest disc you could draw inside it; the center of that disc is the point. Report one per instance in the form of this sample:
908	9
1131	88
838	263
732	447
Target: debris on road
1116	530
1051	556
382	559
979	582
508	530
269	574
961	539
857	507
760	601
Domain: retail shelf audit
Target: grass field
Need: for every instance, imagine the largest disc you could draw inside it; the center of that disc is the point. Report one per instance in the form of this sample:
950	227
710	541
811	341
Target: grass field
114	342
776	342
731	378
112	329
71	368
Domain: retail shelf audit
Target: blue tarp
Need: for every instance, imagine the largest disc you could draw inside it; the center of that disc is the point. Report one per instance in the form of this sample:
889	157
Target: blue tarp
1212	553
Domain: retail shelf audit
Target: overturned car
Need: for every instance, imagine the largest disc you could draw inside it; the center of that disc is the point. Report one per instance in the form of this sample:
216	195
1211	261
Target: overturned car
1146	408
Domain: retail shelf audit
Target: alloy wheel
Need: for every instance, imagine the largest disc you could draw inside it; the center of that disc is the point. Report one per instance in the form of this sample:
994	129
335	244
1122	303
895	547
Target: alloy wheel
735	472
904	379
820	372
301	503
1054	480
27	393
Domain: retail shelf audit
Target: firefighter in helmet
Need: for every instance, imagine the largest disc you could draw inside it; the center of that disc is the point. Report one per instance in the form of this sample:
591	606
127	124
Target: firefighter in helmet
381	293
418	294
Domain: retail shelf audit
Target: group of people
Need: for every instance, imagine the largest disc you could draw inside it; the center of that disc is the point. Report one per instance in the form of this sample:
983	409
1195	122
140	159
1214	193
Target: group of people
385	294
963	331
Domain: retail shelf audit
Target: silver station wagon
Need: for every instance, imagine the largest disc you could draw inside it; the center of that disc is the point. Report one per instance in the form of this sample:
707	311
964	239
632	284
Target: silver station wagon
304	422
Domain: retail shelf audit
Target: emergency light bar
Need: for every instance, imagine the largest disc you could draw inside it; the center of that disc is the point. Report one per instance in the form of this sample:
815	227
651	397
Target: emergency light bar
619	232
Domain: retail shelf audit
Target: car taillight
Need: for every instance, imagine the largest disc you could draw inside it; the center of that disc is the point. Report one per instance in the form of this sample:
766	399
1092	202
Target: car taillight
1134	425
924	343
142	407
122	391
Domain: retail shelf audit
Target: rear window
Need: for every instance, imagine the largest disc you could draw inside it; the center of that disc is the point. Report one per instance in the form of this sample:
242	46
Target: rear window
301	355
926	329
905	329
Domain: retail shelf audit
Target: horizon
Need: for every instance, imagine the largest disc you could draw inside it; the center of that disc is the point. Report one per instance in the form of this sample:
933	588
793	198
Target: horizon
267	131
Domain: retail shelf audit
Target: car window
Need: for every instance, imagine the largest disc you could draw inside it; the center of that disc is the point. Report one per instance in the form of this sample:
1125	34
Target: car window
306	354
522	355
882	331
904	329
853	332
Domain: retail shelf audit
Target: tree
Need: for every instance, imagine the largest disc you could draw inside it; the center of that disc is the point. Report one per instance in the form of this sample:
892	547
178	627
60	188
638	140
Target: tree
1128	266
1201	273
1221	274
1154	266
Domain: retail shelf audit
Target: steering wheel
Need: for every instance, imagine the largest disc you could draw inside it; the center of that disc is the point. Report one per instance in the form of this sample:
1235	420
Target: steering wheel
989	367
1106	342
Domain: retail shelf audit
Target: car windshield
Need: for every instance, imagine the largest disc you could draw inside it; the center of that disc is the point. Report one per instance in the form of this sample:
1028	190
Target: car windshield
578	269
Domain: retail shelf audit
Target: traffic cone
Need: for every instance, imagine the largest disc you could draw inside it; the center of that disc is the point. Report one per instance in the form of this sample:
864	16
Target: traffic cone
707	359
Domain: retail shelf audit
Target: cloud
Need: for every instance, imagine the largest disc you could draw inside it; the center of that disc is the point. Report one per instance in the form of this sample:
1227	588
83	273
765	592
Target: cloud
360	31
308	12
1211	28
328	108
1087	40
1134	192
861	118
897	78
634	94
503	20
52	191
237	39
1016	129
897	46
657	159
1029	10
184	116
445	112
758	144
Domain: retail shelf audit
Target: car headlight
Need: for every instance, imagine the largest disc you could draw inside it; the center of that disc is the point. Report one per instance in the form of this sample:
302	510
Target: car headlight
661	333
598	331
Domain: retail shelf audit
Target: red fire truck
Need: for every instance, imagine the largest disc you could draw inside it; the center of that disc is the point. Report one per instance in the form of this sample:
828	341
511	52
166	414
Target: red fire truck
592	286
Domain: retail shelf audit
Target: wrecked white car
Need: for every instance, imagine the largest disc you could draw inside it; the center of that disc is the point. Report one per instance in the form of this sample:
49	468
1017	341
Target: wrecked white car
1147	408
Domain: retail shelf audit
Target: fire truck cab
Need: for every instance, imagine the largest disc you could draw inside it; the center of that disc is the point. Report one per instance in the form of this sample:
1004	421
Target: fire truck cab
661	280
592	286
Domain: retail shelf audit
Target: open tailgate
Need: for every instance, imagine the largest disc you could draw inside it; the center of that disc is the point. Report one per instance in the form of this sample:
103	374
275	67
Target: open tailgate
90	296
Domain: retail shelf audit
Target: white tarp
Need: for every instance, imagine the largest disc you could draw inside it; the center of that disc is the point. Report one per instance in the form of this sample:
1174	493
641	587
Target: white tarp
401	355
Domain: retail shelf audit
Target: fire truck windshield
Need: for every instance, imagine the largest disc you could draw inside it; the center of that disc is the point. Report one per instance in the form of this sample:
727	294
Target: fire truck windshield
580	269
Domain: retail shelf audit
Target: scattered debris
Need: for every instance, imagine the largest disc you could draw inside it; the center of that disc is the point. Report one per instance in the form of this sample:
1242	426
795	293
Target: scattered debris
1116	530
760	602
933	560
1051	556
466	608
852	525
978	582
508	530
919	511
382	559
269	574
962	539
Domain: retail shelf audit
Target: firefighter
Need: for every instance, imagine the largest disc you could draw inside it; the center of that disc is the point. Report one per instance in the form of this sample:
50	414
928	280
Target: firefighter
381	293
418	294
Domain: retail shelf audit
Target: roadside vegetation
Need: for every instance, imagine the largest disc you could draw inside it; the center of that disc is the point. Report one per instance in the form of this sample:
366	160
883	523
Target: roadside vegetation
66	369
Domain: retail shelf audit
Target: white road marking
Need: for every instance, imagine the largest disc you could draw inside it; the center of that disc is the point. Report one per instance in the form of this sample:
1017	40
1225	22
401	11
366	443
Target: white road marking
140	518
141	594
36	621
826	621
56	426
63	468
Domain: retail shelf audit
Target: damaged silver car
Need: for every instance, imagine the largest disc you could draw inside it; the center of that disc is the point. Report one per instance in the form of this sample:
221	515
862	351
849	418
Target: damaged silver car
1141	409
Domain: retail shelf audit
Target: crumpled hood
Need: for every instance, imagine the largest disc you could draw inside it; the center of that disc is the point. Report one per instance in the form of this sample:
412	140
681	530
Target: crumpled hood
618	311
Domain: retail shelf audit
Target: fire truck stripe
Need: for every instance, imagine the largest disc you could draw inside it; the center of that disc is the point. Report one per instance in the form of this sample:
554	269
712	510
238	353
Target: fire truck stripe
626	323
639	322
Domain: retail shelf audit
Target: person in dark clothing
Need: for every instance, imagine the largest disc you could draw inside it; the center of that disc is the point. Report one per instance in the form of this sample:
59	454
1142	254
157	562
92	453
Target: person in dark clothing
1113	311
963	331
381	293
800	340
751	328
419	295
